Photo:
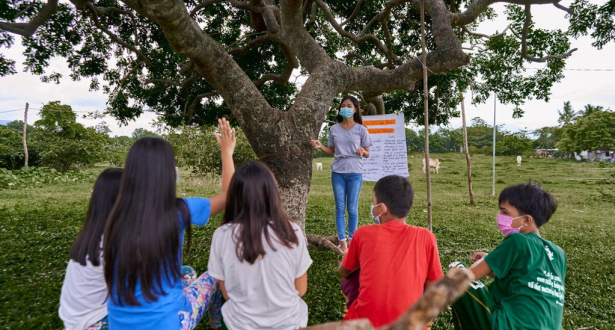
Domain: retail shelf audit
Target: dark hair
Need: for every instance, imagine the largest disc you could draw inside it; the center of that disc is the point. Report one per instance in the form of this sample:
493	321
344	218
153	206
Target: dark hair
254	204
142	237
357	114
87	244
529	198
396	193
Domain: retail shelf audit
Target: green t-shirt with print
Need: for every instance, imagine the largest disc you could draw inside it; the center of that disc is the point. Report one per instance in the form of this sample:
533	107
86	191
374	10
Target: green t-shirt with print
529	285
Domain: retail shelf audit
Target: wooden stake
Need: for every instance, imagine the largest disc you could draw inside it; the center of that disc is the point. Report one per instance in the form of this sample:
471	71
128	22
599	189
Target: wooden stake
465	148
25	128
426	111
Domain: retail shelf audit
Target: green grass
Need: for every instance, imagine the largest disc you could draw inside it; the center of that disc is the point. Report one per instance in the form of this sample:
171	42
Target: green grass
38	225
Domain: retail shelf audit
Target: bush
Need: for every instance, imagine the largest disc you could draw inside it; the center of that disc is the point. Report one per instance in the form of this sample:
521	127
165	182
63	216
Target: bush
197	149
37	176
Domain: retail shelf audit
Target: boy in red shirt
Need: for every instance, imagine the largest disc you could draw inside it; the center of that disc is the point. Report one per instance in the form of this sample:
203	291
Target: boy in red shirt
392	248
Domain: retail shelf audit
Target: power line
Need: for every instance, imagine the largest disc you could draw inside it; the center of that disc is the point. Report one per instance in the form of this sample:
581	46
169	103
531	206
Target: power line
12	110
605	70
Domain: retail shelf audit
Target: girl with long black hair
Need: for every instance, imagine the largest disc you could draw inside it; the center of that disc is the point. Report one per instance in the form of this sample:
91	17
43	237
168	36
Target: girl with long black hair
144	237
83	302
259	256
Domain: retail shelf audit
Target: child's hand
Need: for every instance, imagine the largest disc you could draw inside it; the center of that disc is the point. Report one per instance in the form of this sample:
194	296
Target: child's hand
226	139
477	256
360	152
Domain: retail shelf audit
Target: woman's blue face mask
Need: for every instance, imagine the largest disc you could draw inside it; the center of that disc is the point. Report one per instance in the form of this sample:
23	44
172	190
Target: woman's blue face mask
346	112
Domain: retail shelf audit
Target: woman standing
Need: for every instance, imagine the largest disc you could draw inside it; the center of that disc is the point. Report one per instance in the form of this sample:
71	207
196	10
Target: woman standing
348	142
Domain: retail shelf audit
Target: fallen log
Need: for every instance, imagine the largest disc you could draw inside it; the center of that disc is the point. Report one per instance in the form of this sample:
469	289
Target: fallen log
329	242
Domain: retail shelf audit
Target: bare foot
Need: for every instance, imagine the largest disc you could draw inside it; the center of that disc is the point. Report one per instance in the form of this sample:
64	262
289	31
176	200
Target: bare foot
344	246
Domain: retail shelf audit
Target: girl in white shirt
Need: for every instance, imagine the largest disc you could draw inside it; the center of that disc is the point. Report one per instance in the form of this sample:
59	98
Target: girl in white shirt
259	256
84	292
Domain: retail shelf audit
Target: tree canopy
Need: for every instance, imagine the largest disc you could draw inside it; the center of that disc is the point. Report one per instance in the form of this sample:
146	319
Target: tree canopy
193	61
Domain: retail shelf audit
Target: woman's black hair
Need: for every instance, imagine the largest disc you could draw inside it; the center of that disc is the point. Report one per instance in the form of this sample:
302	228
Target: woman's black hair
142	238
357	114
254	203
87	244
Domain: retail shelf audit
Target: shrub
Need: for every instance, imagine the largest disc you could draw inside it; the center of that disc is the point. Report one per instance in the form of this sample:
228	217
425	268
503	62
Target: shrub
197	149
37	176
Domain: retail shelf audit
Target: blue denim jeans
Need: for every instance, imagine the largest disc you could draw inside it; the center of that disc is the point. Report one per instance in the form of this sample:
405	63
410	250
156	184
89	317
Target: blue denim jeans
346	190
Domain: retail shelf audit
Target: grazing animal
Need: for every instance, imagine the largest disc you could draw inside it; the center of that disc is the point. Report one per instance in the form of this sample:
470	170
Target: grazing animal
433	164
318	166
518	160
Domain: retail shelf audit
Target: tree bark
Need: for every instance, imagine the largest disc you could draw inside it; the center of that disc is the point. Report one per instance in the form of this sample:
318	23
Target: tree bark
465	148
433	301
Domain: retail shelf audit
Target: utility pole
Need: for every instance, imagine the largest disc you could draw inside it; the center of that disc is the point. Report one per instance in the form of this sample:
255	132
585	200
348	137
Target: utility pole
25	128
495	99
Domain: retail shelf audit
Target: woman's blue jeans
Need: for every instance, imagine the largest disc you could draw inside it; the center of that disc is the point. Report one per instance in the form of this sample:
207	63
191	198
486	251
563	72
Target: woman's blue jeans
346	190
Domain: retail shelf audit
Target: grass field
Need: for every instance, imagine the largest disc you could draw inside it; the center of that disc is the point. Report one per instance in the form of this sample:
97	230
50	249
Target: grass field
38	225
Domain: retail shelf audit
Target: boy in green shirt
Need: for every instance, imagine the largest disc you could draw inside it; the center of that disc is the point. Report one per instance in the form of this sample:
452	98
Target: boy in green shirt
529	271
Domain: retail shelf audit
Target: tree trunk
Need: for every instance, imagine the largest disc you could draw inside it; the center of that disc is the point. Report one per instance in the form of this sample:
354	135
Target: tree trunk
465	148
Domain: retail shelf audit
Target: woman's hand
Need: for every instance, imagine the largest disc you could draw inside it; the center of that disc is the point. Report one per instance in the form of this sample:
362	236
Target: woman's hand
226	139
316	144
361	151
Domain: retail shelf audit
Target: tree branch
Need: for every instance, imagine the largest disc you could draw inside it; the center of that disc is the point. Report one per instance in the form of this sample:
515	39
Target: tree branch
170	82
475	8
465	29
28	29
251	43
107	10
282	79
113	37
384	13
235	3
188	111
526	27
354	13
354	38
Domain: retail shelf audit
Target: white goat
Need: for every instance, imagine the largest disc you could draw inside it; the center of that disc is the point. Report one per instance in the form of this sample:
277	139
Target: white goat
318	166
433	163
518	160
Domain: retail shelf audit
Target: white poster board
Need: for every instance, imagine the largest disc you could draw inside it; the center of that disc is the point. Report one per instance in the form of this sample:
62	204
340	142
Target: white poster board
388	154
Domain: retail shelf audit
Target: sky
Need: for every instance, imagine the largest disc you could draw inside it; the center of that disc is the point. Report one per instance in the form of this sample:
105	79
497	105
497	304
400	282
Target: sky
579	86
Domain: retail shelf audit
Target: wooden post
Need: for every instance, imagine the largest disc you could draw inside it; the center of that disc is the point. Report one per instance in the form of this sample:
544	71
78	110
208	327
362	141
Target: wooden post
465	148
25	128
426	111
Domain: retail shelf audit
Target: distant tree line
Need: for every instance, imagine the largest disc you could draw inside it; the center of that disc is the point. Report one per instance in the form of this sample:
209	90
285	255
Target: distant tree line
584	130
58	141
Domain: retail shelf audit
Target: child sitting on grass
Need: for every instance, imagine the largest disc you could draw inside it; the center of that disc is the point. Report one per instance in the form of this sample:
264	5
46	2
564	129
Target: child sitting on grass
259	256
529	271
83	302
397	261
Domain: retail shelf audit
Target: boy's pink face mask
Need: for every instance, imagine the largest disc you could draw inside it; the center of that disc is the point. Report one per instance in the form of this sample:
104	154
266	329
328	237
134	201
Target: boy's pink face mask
505	224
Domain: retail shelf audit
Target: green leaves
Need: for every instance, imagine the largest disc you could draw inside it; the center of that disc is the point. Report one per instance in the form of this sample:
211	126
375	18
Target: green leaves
588	132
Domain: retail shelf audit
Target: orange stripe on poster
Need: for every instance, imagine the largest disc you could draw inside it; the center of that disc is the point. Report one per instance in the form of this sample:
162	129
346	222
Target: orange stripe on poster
379	122
381	130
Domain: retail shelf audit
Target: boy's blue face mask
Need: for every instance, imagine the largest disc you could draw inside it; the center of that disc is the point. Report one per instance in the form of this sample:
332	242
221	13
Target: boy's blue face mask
346	112
375	218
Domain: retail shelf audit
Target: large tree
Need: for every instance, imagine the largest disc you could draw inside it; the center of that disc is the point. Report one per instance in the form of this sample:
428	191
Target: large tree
589	132
191	61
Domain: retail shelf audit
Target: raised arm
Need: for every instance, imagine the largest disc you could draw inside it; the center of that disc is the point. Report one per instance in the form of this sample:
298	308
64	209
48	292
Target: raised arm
226	141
